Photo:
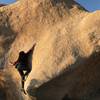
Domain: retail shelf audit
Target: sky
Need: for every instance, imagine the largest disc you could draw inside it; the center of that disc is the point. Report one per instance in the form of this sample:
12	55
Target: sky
90	5
7	1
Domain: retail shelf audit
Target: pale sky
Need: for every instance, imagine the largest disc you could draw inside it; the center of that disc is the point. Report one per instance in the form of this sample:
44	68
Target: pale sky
7	1
90	5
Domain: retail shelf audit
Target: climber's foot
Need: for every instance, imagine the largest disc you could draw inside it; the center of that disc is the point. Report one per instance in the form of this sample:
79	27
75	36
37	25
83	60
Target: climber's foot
23	91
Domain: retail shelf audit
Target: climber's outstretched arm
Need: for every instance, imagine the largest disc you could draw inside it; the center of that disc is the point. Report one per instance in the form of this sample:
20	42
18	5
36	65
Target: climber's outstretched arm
31	50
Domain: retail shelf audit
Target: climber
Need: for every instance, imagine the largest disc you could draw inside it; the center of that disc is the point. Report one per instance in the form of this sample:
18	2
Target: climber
23	65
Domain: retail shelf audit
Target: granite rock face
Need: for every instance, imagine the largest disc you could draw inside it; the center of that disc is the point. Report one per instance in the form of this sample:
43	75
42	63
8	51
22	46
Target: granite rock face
67	41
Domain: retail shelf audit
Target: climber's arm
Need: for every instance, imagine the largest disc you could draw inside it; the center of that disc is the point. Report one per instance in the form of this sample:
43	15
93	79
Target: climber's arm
15	63
31	50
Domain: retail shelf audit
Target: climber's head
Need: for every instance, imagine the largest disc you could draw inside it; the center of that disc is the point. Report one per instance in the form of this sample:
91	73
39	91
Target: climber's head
22	53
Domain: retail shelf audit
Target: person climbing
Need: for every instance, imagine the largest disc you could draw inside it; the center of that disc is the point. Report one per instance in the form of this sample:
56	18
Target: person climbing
24	65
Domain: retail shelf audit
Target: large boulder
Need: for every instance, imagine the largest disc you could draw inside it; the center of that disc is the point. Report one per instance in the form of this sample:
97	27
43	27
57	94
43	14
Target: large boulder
64	33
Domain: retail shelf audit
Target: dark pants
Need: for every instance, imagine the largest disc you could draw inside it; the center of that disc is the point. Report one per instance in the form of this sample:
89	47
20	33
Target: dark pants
23	75
21	68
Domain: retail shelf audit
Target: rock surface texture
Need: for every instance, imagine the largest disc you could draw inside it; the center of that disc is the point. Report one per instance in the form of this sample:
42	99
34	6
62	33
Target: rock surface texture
66	59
